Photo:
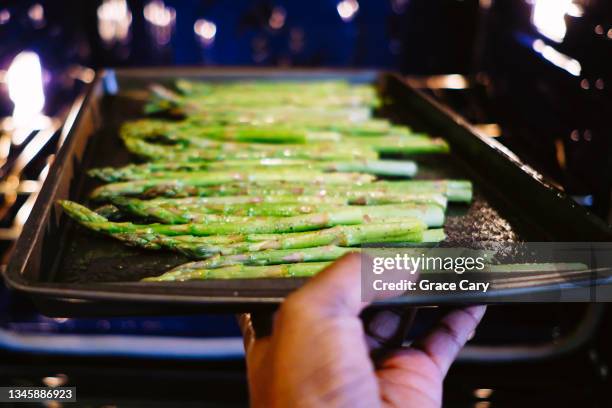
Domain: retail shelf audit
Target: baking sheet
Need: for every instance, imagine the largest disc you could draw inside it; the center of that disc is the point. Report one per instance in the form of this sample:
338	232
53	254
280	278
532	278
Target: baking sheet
71	271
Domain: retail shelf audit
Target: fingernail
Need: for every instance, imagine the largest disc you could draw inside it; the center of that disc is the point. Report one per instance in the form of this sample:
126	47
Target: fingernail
471	336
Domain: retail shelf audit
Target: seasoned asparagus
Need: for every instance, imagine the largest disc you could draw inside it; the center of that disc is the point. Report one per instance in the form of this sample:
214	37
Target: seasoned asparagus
230	151
257	144
229	98
253	204
221	177
195	134
249	272
276	206
205	247
156	169
261	258
279	256
431	214
377	192
266	179
192	271
151	237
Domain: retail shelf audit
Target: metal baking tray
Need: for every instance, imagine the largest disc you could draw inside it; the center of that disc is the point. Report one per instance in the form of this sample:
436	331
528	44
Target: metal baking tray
69	271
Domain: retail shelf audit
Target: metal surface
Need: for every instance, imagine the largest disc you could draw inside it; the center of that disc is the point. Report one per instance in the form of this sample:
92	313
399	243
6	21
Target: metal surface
71	271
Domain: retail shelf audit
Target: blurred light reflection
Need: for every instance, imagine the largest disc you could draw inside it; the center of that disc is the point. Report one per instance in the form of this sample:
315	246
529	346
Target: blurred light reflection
114	20
483	393
25	87
37	14
347	9
55	381
161	19
556	58
205	30
451	81
548	16
277	18
5	16
490	129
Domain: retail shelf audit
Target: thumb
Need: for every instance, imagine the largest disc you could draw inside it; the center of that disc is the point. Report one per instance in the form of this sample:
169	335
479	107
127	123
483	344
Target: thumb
337	290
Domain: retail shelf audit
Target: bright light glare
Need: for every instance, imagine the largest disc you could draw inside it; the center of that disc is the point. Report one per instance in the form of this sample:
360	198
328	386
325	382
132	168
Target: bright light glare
556	58
25	86
161	19
575	10
158	14
206	30
114	20
36	13
5	16
549	17
277	18
347	9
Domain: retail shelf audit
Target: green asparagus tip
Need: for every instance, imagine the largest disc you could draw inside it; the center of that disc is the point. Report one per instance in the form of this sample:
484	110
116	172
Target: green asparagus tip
80	212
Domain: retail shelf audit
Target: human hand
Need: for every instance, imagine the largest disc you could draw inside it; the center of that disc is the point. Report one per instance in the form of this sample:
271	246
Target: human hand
319	353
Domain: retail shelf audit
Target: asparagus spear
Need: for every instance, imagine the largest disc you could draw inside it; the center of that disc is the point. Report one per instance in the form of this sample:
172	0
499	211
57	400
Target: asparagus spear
267	257
271	98
195	132
194	223
157	169
275	256
244	200
263	138
431	215
215	178
189	87
249	272
188	136
454	190
205	247
310	89
320	151
273	205
400	145
151	236
192	212
347	126
98	223
252	203
175	213
377	192
303	97
191	246
404	231
194	135
307	269
281	256
167	102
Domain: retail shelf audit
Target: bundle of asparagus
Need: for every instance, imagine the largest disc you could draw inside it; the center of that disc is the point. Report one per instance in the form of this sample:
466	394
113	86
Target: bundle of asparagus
323	99
279	189
205	240
195	134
